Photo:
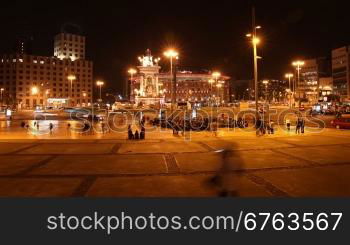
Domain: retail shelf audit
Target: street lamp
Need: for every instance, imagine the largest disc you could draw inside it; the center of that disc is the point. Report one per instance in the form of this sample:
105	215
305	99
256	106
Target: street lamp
34	90
298	64
71	78
255	41
131	71
171	53
99	84
289	76
2	91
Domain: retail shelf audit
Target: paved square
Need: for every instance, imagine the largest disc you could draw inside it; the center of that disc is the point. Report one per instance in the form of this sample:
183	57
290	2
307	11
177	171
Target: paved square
278	165
16	164
69	148
107	165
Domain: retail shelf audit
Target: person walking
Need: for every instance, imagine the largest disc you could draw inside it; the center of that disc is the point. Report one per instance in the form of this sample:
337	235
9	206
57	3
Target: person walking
297	127
271	129
130	134
288	124
51	128
142	134
302	125
214	127
68	129
37	126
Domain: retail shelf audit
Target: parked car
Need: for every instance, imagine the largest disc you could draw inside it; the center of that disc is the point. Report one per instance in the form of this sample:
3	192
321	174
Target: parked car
341	123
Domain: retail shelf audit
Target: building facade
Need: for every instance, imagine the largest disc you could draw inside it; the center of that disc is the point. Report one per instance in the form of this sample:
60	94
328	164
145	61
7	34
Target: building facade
310	74
29	81
341	72
151	86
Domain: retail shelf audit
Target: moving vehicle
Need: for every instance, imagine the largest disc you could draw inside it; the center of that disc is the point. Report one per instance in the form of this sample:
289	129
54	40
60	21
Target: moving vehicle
341	123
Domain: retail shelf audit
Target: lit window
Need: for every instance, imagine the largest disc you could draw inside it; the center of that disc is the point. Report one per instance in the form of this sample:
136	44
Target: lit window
42	62
20	60
14	60
35	61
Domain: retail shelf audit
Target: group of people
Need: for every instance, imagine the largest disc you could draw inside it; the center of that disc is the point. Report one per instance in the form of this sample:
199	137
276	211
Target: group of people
36	125
264	127
137	135
299	125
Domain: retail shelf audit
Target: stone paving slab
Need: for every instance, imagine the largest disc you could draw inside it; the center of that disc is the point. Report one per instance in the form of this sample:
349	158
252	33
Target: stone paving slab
322	155
6	148
246	144
69	148
302	140
15	164
97	165
163	147
169	186
330	181
40	187
236	160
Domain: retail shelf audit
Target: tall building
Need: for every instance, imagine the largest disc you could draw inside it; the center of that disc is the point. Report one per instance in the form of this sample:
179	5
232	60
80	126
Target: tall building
69	46
310	74
29	80
341	72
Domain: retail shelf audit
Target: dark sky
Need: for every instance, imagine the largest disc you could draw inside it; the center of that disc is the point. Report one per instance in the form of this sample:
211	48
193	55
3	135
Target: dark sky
208	34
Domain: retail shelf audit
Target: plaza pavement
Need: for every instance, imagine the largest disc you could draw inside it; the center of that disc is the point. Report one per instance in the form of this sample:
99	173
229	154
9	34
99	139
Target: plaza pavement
107	165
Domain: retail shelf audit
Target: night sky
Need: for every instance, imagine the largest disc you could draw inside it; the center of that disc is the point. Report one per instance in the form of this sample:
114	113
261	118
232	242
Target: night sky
207	34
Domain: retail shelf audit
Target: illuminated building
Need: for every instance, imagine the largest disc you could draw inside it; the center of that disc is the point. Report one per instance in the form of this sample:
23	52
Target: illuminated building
341	72
19	73
69	46
310	74
151	86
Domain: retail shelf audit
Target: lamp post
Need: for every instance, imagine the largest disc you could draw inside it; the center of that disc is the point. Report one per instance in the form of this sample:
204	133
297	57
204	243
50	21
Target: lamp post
100	84
298	64
131	71
255	41
71	78
211	81
289	76
171	54
2	91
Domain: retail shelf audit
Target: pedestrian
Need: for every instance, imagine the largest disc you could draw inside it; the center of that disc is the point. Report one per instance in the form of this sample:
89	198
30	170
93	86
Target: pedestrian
271	129
297	127
23	124
142	134
137	136
302	125
51	127
103	127
130	134
34	124
37	126
214	127
258	126
288	125
68	128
